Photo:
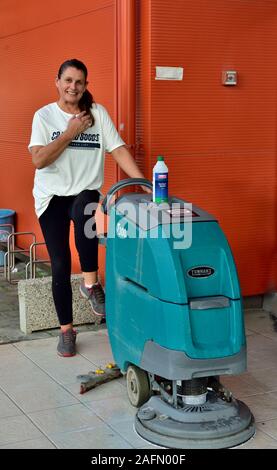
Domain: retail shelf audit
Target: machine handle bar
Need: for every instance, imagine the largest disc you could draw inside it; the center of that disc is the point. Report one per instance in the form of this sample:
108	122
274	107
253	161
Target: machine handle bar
120	185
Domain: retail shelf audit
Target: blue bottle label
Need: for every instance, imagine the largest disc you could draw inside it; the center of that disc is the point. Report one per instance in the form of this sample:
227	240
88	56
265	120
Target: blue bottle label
161	187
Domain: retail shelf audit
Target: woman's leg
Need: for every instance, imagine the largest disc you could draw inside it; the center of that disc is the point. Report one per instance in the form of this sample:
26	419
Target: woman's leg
83	215
55	225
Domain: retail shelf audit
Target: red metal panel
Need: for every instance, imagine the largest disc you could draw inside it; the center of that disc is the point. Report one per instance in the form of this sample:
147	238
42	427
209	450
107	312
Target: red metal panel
219	141
18	16
32	47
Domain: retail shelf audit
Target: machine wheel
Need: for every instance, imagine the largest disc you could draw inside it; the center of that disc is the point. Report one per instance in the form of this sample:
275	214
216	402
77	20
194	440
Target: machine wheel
138	388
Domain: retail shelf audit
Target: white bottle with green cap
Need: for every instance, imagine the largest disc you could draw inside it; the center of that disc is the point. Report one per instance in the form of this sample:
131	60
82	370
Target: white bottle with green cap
160	181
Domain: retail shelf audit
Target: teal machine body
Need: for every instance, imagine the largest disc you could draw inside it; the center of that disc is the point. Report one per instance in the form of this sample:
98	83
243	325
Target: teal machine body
168	306
175	321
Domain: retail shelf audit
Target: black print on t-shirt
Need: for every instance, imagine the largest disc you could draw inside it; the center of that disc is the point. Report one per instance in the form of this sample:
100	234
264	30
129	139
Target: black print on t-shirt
81	140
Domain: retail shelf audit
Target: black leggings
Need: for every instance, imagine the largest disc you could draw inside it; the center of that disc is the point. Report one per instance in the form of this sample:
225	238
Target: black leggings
55	226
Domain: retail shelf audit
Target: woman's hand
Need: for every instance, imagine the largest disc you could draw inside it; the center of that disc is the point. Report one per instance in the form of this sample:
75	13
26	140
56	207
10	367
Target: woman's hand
146	189
78	124
43	156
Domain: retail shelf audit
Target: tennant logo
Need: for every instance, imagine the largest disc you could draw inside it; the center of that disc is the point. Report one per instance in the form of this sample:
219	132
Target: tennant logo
201	271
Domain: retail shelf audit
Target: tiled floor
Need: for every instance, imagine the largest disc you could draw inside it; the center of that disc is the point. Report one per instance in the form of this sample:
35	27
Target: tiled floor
41	408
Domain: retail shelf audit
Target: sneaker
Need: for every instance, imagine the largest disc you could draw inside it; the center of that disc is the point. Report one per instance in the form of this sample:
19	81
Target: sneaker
96	297
67	343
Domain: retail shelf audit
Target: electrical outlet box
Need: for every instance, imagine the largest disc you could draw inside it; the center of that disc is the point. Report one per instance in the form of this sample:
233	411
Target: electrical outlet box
229	77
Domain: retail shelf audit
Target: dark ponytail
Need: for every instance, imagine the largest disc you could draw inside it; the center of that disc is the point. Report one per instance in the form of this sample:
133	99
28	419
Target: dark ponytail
87	100
85	104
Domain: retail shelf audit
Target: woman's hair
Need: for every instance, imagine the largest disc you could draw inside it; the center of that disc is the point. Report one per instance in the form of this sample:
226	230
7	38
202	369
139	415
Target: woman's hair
86	101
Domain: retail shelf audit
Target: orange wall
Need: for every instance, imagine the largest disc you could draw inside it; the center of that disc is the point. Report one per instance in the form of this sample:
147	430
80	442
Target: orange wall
219	142
35	38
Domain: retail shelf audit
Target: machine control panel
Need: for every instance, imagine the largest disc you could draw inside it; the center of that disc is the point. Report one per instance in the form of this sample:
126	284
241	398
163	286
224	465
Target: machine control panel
180	212
140	209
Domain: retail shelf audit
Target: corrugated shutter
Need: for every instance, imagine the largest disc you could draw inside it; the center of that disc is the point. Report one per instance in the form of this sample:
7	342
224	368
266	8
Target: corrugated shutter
219	141
35	39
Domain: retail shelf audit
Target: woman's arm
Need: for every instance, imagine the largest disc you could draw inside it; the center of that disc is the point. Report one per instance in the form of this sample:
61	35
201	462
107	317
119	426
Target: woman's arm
126	162
43	156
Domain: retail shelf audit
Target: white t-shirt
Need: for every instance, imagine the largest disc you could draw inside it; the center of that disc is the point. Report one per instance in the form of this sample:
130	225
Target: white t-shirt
81	165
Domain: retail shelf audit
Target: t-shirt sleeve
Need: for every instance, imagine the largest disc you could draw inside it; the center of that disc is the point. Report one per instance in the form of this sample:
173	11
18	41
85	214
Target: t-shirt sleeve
39	134
111	138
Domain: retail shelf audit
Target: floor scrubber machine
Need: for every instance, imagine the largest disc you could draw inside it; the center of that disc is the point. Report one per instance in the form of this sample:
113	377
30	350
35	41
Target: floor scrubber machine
175	320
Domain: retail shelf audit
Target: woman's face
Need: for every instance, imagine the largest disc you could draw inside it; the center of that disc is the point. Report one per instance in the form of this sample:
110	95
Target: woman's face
71	85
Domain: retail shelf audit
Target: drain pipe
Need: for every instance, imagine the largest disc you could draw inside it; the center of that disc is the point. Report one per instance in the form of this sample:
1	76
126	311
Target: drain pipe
126	74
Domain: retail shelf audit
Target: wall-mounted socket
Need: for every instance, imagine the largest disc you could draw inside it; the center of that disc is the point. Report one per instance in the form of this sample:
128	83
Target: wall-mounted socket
229	77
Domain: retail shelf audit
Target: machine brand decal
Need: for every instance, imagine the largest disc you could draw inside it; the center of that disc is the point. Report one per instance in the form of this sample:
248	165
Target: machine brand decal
200	271
121	231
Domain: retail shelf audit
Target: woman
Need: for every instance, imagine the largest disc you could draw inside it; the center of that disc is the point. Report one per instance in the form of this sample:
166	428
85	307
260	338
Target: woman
68	142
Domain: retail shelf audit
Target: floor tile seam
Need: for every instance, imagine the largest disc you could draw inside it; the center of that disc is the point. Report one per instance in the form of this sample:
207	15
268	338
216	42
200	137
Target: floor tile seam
261	392
258	332
251	329
126	439
13	402
63	386
33	412
240	396
266	353
257	394
50	435
45	372
93	428
41	430
262	347
274	390
266	420
107	424
257	379
95	412
36	364
93	363
265	335
27	416
256	387
265	369
268	434
264	356
27	440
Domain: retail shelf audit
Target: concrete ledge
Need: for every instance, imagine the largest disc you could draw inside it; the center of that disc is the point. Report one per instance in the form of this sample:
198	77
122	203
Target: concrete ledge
36	306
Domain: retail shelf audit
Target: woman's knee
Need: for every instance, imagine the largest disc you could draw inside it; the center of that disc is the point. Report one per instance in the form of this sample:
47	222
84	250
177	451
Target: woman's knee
85	204
61	267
